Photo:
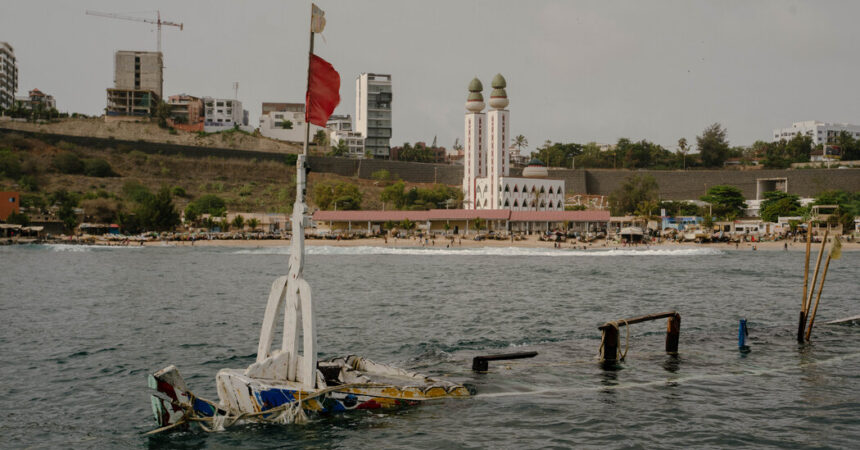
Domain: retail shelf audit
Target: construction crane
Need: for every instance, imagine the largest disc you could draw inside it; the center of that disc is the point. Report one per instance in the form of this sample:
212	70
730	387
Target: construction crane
157	21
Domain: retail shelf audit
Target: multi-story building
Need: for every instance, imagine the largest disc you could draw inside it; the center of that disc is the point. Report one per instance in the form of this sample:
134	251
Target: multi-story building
38	97
138	80
222	114
8	76
373	112
820	132
487	183
139	71
340	129
285	122
186	112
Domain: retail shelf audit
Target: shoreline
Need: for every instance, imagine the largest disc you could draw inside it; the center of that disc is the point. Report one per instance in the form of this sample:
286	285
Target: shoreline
529	242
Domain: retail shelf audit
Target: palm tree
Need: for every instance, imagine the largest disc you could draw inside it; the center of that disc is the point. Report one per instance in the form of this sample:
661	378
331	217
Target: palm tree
682	147
239	222
520	142
253	223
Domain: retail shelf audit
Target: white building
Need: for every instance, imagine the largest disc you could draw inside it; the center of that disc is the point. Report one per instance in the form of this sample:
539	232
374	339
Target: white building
820	132
285	122
8	75
487	183
221	114
340	128
373	112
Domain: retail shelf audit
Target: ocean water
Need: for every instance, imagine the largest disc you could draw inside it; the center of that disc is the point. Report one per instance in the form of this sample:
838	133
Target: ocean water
80	328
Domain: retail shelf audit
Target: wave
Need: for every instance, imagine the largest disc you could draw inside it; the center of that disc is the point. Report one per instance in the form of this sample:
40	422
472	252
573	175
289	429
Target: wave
482	251
80	248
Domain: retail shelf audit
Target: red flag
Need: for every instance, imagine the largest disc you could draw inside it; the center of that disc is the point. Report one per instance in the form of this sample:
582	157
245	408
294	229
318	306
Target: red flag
323	91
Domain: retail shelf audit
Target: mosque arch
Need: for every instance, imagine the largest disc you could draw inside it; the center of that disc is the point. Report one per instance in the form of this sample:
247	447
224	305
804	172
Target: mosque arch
507	188
516	204
506	203
542	191
516	188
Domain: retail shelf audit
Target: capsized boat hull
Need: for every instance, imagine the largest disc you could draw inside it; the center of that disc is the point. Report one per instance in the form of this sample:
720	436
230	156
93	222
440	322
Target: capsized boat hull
343	384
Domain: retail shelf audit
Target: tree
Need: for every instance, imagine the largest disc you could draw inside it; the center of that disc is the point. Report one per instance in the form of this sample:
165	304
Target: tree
849	206
320	138
253	223
162	113
337	195
98	167
558	154
683	149
158	212
287	124
238	222
520	142
635	190
778	203
209	204
394	194
726	201
713	146
340	149
18	219
480	224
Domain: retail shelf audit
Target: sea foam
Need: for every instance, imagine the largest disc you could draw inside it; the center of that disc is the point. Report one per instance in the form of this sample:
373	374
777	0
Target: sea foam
483	251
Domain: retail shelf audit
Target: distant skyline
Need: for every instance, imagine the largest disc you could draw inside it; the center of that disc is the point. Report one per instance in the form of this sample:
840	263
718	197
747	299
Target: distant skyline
577	71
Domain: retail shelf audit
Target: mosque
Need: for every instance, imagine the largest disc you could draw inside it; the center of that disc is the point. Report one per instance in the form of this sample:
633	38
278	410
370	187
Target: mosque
487	183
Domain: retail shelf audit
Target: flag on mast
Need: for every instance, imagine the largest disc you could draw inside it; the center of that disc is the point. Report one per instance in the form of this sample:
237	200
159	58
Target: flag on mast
323	91
317	19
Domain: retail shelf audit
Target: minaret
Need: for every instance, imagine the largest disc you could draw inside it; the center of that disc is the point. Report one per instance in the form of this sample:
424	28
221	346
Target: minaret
497	150
475	158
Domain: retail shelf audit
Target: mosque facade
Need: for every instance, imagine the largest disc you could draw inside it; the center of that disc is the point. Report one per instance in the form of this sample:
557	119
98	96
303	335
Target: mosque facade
487	183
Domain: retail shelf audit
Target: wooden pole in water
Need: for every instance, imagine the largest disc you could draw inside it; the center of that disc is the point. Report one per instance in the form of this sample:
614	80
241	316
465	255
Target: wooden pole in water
815	276
802	322
835	253
673	333
610	344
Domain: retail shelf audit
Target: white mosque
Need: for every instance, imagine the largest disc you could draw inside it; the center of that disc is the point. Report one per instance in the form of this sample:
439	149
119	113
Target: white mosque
486	180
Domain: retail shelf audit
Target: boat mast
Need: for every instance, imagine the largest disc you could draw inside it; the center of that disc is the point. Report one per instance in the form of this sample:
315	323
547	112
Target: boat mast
291	293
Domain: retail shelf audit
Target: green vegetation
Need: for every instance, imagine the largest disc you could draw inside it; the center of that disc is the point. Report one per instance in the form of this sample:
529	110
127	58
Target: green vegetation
417	199
337	195
68	163
636	192
341	149
18	219
420	152
381	175
778	203
727	202
158	212
680	208
849	206
97	167
713	146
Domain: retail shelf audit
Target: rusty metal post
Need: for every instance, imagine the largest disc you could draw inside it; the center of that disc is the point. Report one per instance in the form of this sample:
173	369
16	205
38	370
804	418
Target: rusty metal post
610	344
673	333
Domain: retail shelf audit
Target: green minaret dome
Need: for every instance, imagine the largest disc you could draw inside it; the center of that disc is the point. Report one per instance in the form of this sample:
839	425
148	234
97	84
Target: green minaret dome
476	86
498	93
475	97
499	82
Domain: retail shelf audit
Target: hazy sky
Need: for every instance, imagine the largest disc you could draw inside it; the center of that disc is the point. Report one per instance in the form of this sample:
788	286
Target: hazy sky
577	71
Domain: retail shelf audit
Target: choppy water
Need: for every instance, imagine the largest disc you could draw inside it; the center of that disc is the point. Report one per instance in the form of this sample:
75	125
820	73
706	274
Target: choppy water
80	327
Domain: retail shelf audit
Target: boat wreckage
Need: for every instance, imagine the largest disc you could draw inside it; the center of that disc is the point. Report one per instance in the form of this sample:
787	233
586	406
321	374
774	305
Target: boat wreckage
284	385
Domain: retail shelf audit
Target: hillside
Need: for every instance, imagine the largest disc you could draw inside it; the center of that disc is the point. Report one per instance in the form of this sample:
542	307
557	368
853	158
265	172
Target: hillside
34	167
148	131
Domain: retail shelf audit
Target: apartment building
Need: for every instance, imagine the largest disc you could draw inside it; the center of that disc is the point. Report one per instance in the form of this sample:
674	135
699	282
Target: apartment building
820	132
221	114
373	98
8	75
138	80
285	122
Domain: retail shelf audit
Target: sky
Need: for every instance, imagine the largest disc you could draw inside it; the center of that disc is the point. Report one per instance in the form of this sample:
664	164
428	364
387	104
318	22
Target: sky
577	71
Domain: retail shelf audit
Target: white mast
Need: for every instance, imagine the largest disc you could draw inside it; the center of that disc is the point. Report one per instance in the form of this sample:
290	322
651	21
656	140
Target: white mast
292	293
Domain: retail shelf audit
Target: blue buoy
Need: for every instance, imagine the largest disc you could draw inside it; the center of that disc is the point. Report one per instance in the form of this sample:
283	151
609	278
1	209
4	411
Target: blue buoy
743	335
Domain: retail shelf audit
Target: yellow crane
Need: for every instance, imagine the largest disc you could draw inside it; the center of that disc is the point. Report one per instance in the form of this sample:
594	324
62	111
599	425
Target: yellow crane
157	21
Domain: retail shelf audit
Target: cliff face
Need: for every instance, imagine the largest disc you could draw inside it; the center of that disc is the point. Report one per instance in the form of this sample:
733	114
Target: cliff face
150	132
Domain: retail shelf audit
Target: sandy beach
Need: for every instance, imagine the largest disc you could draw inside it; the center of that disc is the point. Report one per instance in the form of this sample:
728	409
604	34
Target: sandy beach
529	242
